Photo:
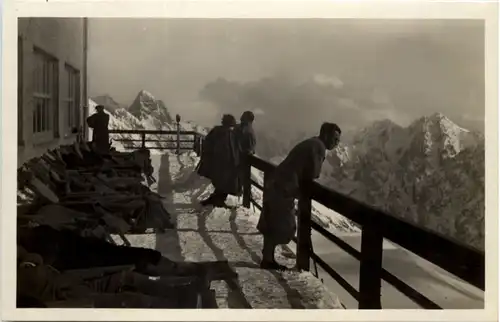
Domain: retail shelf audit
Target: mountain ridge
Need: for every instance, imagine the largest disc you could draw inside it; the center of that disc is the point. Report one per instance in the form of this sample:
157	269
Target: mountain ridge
430	173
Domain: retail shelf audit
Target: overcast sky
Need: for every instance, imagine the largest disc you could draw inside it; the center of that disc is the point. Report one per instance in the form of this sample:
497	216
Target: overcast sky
410	68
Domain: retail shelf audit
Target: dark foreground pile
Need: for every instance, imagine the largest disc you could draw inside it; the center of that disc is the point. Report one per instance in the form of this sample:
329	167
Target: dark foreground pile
70	200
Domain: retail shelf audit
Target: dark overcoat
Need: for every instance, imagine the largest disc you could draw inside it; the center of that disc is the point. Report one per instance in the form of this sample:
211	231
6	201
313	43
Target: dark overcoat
99	123
220	160
303	163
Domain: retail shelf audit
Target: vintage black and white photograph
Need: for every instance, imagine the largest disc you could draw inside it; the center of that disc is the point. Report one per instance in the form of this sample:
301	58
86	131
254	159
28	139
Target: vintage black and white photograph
191	163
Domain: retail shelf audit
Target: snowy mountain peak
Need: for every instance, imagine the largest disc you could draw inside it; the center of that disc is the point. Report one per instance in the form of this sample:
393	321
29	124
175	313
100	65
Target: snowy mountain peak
147	108
439	137
145	96
437	120
108	102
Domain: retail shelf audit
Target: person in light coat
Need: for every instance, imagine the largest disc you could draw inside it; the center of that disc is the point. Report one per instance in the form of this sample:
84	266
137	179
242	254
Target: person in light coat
303	163
245	133
245	136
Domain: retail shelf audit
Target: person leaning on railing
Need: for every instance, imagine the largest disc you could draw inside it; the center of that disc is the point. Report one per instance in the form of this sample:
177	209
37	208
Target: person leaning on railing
245	133
303	163
245	136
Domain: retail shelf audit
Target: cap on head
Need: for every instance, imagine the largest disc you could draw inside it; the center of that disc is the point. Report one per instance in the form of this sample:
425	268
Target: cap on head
328	128
99	108
330	134
228	120
247	117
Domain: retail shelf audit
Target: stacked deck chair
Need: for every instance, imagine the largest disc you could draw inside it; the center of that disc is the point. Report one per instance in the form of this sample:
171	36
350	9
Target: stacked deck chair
70	201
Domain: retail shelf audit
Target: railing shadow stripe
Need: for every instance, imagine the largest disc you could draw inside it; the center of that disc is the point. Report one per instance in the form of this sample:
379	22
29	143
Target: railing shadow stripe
292	294
219	254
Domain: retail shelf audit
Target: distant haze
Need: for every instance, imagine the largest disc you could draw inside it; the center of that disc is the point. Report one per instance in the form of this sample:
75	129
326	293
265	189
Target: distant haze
350	71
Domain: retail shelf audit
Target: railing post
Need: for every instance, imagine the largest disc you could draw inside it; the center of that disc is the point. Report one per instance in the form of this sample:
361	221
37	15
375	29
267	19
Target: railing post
196	144
304	230
247	181
370	273
198	139
178	120
143	139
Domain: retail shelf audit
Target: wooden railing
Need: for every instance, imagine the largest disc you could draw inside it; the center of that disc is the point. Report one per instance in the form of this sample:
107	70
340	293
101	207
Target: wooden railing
458	259
193	142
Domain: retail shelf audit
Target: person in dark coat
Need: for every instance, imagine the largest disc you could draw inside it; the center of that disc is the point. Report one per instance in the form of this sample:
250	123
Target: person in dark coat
220	161
99	122
277	220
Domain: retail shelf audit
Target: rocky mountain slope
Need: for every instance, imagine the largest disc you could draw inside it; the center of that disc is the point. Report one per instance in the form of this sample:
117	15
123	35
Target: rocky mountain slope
430	173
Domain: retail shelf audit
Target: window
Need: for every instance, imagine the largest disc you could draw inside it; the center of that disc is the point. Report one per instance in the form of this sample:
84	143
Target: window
72	98
45	83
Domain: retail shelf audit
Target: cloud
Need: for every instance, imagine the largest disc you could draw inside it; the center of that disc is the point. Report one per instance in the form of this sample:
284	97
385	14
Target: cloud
328	81
298	106
258	111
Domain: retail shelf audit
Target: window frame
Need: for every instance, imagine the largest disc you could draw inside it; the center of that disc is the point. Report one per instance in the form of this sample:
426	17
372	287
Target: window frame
71	98
45	96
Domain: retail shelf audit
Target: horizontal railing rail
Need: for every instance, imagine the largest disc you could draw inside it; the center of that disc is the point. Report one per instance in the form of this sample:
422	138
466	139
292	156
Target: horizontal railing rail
158	132
178	144
453	256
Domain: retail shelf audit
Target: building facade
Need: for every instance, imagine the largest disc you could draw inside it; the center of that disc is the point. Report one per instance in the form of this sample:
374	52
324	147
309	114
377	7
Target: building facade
52	83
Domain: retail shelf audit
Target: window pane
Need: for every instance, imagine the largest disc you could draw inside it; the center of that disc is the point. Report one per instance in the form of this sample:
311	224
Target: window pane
44	115
71	82
48	113
35	74
68	111
34	118
43	74
40	74
50	76
39	68
47	77
39	116
68	85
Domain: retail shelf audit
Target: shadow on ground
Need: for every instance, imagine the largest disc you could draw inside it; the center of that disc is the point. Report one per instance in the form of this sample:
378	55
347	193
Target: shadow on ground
188	185
292	294
167	242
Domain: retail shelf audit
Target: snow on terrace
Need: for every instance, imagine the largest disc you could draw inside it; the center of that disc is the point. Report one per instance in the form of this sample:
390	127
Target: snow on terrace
206	234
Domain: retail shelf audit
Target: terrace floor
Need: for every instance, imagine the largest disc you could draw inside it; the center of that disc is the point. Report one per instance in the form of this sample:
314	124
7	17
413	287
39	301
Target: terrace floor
205	234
